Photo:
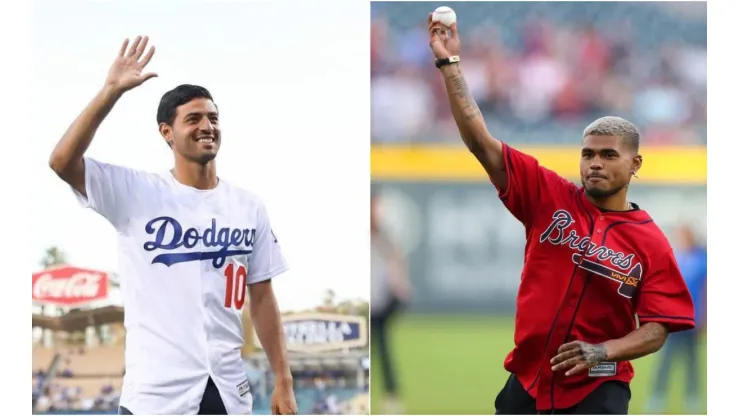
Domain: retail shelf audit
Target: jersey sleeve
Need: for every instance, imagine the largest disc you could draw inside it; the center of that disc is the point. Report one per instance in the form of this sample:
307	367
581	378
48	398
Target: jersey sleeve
528	184
665	298
267	259
109	190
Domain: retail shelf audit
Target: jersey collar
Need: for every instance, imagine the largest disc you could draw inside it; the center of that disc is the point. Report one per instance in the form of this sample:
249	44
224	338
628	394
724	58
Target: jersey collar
637	214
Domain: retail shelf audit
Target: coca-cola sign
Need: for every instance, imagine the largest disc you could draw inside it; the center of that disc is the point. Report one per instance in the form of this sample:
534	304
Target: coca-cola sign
69	286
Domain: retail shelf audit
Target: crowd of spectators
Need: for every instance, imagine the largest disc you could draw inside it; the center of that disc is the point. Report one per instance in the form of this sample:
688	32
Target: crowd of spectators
542	73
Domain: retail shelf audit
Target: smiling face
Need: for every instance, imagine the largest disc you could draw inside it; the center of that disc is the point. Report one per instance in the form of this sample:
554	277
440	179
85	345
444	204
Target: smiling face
195	133
607	163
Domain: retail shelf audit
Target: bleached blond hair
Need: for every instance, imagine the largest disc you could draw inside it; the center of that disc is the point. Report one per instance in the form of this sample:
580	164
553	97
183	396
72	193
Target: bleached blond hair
614	126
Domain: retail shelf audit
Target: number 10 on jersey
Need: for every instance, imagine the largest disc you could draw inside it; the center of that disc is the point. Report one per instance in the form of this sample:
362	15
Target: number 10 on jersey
236	285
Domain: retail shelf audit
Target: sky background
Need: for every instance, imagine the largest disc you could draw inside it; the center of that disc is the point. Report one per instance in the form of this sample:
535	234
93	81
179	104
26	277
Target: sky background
281	119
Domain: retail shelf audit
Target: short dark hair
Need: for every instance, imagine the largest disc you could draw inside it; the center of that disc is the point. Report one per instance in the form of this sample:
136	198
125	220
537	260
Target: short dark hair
182	94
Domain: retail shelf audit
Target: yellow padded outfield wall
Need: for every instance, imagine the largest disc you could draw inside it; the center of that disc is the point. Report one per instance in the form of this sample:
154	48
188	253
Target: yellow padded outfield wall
661	165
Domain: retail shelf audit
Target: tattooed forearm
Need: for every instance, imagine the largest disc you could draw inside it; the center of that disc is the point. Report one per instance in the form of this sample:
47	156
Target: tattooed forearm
647	339
467	116
593	354
472	127
459	90
653	333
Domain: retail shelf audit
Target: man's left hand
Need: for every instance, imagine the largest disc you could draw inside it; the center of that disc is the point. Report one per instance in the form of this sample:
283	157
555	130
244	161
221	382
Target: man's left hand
283	400
578	356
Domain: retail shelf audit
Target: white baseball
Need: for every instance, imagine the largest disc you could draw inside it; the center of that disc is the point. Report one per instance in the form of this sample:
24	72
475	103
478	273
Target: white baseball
444	15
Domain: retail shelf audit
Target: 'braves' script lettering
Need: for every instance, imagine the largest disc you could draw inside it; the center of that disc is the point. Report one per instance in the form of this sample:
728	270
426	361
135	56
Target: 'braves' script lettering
557	233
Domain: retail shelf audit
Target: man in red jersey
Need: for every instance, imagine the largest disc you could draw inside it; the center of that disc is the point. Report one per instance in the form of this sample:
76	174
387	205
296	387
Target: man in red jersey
593	261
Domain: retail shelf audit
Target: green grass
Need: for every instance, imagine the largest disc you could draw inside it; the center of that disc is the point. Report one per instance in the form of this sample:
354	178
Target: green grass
454	365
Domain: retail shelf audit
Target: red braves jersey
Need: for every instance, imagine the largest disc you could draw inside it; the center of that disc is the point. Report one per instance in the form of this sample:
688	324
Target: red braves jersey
587	273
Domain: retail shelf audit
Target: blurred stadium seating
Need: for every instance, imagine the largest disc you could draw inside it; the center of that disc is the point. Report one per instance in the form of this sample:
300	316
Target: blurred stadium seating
77	378
80	371
540	72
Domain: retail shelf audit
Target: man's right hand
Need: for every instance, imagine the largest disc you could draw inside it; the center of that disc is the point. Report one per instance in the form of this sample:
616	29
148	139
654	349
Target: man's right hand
442	44
66	159
488	150
126	71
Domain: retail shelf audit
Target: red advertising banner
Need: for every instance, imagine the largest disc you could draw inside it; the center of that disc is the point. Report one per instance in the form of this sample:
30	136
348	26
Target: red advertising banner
69	286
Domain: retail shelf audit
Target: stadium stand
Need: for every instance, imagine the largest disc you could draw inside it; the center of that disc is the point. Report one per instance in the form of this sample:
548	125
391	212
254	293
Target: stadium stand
541	71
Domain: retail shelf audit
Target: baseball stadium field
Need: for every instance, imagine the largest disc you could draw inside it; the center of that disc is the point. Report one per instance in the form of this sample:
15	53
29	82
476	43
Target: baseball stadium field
454	365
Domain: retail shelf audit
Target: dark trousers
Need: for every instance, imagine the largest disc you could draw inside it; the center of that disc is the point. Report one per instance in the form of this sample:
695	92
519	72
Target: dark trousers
211	404
610	398
379	325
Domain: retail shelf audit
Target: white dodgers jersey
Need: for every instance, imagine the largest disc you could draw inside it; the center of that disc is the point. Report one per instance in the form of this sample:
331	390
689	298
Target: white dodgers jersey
186	256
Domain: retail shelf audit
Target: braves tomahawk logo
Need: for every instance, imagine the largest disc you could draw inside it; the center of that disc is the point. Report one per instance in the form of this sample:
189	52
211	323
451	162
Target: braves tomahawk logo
592	256
169	235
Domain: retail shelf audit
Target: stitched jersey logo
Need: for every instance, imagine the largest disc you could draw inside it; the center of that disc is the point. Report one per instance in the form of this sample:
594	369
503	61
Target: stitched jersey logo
591	256
231	242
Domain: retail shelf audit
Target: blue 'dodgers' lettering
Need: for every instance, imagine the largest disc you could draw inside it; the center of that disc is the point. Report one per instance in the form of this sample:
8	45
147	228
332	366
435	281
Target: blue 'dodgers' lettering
231	242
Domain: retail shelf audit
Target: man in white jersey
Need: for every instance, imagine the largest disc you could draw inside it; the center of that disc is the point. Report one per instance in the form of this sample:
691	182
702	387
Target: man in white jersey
192	246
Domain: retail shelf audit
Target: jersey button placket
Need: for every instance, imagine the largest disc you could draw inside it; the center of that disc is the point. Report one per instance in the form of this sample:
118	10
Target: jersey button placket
561	334
204	222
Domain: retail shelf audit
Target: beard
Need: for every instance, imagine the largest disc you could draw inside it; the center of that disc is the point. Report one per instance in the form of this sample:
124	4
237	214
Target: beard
202	158
192	152
599	193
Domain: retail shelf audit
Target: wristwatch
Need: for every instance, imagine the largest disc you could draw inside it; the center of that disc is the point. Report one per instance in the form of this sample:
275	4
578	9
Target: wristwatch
439	63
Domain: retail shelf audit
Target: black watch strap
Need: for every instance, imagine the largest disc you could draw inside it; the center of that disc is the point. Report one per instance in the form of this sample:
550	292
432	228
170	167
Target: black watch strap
439	63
